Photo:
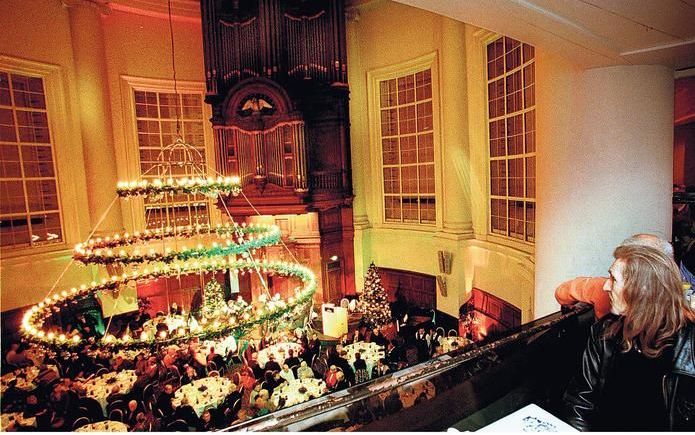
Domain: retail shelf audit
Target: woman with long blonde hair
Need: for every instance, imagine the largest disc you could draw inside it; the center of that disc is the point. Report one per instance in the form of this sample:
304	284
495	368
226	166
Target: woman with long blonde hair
638	369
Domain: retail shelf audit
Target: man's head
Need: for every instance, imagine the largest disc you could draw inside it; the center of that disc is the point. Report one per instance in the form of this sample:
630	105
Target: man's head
116	389
168	388
32	400
132	405
654	241
303	364
645	286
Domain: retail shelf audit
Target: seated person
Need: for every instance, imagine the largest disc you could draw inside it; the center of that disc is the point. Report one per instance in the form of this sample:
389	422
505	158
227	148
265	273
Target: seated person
331	377
380	369
175	309
291	360
590	290
637	372
115	395
304	371
341	383
286	373
131	413
189	375
164	400
186	413
17	357
272	365
206	423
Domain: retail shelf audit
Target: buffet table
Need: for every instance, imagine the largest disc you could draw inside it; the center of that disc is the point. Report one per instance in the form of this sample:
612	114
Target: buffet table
100	387
298	391
204	393
280	351
369	352
104	426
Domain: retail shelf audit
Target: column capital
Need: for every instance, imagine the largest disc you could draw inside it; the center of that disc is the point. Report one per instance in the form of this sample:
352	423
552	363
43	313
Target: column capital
102	6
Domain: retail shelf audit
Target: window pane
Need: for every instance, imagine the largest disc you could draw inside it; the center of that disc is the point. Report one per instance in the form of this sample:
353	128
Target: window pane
390	151
156	120
511	132
407	142
28	187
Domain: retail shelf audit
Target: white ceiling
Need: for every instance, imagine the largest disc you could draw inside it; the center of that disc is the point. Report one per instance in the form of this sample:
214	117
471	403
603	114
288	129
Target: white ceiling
592	32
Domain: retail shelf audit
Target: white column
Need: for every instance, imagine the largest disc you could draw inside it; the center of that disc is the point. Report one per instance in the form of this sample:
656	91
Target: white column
605	167
94	111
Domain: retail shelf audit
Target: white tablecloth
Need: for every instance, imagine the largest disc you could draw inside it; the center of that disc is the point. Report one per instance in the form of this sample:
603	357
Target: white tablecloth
25	377
447	343
6	419
292	394
100	387
280	351
369	352
104	426
214	391
173	322
222	347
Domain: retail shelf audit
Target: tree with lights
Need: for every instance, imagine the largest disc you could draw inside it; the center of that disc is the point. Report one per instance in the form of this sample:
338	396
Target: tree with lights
373	300
213	295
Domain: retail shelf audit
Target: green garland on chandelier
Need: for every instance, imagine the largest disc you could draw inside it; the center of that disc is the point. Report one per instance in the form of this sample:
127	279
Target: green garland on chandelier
265	235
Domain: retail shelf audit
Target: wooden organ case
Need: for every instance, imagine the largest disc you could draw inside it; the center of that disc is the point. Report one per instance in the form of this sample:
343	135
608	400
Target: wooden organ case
276	79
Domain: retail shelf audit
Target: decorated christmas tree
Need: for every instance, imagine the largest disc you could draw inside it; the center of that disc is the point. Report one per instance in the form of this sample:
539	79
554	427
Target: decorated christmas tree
373	300
213	303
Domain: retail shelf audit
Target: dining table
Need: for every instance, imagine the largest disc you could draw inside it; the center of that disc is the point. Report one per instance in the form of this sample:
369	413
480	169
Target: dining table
23	379
297	391
205	393
104	426
369	352
16	418
280	352
100	387
453	343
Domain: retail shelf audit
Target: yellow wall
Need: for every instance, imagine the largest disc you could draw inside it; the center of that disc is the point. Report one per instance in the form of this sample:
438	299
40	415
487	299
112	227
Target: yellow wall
382	35
134	45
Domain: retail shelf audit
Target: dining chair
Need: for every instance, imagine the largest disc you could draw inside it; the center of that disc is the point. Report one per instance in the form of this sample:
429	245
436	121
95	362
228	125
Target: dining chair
80	422
116	415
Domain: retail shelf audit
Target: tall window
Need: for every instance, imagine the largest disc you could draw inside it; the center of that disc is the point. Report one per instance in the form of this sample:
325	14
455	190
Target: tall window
156	114
407	143
29	206
512	132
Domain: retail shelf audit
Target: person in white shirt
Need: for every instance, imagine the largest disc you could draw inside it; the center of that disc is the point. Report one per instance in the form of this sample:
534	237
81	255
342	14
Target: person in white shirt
286	373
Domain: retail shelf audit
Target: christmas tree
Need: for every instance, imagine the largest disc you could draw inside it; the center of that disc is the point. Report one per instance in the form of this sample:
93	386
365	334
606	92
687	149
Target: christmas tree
373	300
214	303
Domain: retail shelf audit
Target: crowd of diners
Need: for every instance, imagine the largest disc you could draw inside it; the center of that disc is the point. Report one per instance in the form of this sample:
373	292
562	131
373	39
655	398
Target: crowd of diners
59	401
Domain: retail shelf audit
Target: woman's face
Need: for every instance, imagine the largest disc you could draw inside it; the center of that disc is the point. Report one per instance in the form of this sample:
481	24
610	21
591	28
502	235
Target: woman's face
615	287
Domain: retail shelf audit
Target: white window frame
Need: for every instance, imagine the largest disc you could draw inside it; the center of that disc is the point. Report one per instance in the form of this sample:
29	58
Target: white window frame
374	77
493	236
67	153
134	213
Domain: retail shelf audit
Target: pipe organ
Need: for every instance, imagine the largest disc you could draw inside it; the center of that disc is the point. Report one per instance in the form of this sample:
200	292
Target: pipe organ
276	78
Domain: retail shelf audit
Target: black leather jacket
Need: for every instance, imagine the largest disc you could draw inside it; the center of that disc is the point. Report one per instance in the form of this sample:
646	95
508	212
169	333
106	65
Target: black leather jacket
583	396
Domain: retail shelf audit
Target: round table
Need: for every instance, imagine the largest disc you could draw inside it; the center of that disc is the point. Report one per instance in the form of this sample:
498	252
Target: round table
173	322
222	346
16	417
369	352
100	387
25	378
204	393
280	351
453	343
292	394
104	426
